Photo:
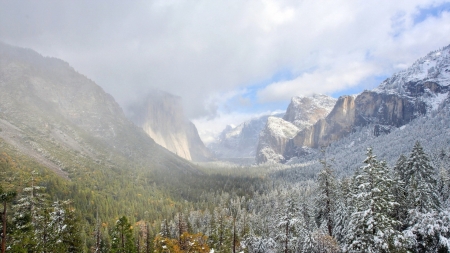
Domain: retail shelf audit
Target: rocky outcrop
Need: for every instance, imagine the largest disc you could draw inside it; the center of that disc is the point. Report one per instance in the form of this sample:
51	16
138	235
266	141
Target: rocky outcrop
162	118
305	111
386	109
338	123
273	140
302	113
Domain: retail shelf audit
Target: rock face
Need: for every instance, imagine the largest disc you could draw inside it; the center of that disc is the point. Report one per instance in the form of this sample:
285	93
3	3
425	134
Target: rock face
162	118
302	112
240	141
415	91
338	123
273	140
50	112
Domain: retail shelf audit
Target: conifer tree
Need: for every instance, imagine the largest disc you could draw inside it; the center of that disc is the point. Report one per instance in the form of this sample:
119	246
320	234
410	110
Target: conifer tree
420	181
325	202
5	198
400	211
371	228
122	237
286	224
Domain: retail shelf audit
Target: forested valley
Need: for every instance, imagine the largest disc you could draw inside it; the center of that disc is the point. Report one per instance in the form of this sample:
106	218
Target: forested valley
378	208
77	176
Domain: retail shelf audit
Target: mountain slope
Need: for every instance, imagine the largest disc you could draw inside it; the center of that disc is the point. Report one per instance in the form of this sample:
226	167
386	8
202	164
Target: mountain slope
51	112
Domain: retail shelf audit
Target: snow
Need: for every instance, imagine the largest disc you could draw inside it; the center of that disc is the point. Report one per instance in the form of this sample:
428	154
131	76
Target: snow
435	101
281	128
435	67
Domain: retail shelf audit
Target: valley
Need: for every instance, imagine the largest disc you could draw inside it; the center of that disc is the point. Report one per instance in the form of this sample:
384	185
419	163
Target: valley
365	171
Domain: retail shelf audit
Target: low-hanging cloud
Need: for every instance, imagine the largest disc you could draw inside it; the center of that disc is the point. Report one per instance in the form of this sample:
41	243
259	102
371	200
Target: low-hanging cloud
201	49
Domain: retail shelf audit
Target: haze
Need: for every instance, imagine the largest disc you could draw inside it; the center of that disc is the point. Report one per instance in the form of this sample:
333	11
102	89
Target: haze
229	60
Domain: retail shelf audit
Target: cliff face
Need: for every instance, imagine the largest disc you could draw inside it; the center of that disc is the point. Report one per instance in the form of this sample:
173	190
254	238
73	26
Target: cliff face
162	118
302	113
415	91
273	140
305	111
338	123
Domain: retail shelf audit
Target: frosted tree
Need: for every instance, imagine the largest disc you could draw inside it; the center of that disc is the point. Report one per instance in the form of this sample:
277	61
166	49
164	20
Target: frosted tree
287	221
371	227
429	232
420	181
325	201
400	211
259	244
344	208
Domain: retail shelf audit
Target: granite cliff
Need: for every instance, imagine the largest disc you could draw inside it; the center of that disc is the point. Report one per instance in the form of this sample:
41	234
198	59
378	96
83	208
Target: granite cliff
162	117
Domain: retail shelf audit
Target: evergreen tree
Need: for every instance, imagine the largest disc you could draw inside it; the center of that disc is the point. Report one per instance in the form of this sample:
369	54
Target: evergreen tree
371	228
5	198
400	211
122	237
287	221
421	182
325	202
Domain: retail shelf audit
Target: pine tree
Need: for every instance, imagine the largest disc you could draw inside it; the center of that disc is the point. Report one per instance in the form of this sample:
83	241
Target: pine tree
122	237
400	211
371	228
325	202
421	182
5	198
287	222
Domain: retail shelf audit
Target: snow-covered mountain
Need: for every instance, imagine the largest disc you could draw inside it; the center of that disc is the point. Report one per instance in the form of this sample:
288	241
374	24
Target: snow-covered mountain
240	141
302	112
273	140
408	94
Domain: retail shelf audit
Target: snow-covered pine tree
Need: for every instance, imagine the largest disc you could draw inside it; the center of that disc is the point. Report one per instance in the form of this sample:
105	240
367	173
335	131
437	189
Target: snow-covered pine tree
400	211
421	181
325	200
429	232
344	209
371	228
287	218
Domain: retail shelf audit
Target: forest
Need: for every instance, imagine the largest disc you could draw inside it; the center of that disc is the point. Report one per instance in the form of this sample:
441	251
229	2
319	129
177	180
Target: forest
363	193
378	208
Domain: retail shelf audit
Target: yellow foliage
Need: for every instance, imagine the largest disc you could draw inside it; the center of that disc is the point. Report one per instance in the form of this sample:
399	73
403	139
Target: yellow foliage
189	243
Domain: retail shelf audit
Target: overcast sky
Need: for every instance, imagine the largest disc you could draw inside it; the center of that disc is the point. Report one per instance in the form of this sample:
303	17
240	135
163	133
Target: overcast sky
230	59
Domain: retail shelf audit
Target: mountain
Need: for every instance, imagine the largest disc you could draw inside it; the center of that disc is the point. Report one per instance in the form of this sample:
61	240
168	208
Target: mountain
65	121
240	141
408	94
162	117
273	140
302	112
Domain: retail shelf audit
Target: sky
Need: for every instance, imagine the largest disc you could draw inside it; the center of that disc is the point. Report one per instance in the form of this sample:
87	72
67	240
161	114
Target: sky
229	60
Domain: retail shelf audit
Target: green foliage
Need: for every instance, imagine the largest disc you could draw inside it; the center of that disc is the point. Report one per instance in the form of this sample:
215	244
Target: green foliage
122	237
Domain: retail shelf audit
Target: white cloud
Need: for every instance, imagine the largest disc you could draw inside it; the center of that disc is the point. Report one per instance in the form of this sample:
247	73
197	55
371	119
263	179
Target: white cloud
198	49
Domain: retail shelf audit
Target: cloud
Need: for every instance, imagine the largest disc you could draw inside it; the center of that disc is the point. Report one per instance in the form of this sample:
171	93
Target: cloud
200	50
